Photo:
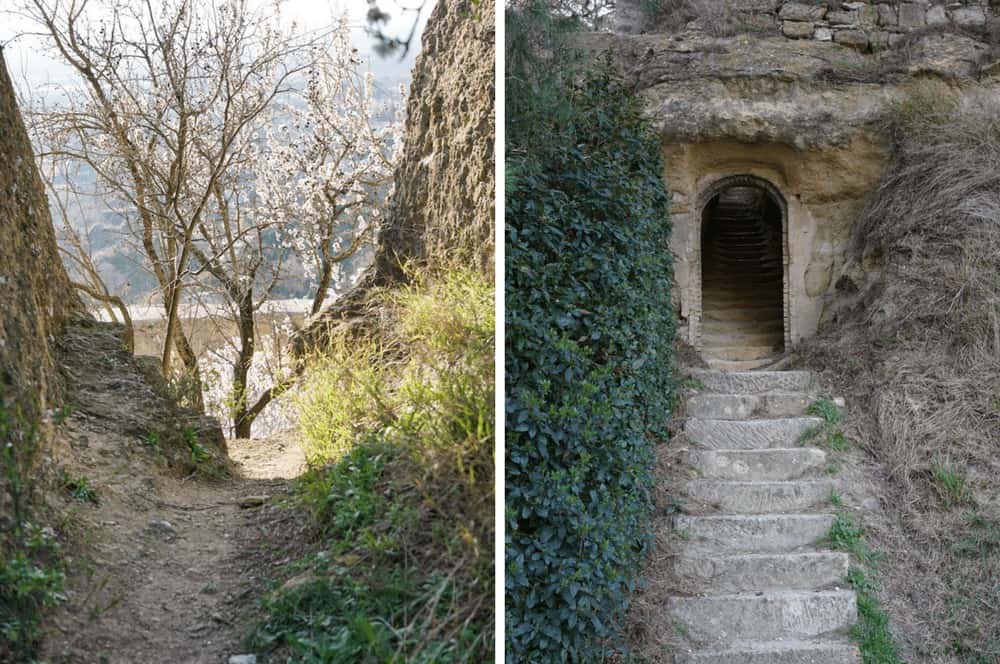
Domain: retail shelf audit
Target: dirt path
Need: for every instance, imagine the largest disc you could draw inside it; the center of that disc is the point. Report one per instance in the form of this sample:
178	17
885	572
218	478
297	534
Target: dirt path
164	568
173	573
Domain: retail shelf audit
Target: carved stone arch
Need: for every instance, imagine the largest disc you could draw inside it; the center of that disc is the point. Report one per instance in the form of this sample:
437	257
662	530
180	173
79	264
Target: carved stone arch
702	200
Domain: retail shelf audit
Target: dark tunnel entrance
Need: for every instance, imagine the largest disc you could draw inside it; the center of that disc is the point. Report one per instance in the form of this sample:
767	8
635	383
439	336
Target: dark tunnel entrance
742	272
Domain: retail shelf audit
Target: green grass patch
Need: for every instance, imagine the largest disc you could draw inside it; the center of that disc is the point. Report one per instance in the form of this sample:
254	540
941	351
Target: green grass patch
950	484
838	442
197	451
846	535
399	436
80	489
872	631
826	410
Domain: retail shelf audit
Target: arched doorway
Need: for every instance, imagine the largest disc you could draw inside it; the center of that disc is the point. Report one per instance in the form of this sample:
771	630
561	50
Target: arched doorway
743	238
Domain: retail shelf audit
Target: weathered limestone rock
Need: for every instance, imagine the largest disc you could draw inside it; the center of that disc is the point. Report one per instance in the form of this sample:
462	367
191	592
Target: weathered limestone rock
761	572
756	497
747	406
887	15
797	29
798	11
842	18
749	434
853	38
35	294
969	16
764	617
788	651
752	533
912	15
752	382
937	15
757	465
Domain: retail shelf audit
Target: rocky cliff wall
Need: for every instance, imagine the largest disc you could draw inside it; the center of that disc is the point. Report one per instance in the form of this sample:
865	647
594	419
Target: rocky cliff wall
35	293
443	205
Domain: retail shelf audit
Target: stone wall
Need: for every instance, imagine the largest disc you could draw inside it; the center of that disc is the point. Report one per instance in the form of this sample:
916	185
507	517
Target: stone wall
866	26
875	26
35	294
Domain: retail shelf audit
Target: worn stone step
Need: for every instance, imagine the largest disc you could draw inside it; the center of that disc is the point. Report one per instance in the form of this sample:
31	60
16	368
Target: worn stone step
758	465
740	365
764	616
737	337
750	497
752	382
751	533
738	299
791	651
740	352
747	406
763	314
761	572
748	434
759	323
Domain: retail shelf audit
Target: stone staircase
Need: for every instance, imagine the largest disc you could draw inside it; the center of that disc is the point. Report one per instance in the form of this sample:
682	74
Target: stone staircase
759	588
742	324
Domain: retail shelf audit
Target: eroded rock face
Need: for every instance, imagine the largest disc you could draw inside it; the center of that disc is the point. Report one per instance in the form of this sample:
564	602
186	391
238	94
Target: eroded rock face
35	294
806	119
444	199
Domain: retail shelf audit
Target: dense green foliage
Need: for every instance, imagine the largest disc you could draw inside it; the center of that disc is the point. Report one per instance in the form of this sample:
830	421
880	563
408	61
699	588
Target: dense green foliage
589	338
399	433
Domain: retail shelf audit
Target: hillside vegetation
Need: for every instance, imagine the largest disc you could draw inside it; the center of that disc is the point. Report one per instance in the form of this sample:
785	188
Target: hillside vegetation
915	340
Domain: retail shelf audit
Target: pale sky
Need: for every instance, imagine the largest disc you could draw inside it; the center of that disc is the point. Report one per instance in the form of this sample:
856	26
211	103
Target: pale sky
28	63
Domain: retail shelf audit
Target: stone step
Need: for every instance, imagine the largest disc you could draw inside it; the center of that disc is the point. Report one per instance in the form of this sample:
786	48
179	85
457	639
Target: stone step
716	326
768	465
740	365
735	336
747	406
742	497
765	617
752	533
764	313
723	434
740	352
752	382
790	651
762	572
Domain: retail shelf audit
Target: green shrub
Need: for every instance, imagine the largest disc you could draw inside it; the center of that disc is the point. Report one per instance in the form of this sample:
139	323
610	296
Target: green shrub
399	433
589	339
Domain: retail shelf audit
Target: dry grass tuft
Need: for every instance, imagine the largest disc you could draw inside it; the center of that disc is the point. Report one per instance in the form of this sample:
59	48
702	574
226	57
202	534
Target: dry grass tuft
919	321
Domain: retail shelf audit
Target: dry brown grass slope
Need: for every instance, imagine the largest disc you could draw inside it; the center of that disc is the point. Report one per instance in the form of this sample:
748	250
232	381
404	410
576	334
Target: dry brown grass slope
914	342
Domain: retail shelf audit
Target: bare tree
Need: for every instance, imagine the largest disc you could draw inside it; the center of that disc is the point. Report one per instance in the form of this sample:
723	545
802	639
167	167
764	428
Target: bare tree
172	96
233	144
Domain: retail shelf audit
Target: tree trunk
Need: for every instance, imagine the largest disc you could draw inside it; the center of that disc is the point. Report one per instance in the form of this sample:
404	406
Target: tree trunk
243	416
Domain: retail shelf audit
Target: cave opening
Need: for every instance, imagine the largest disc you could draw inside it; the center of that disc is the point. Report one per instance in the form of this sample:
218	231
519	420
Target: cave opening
742	273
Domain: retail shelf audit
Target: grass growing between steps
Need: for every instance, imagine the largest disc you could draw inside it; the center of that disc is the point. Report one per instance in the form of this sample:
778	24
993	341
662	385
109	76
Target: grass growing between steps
872	631
827	433
399	436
